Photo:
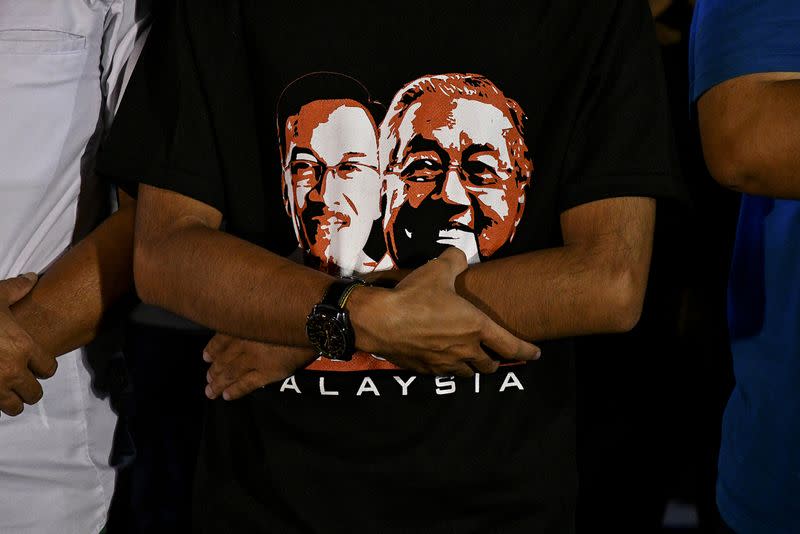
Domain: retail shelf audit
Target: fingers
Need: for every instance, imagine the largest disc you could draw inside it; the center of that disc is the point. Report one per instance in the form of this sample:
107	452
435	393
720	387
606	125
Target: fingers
467	367
11	404
217	347
252	366
14	289
23	389
441	271
41	365
506	344
454	260
225	373
244	386
483	364
462	370
225	353
28	389
221	376
210	392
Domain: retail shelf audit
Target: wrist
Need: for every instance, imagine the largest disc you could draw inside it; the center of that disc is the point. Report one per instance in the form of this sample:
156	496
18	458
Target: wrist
367	308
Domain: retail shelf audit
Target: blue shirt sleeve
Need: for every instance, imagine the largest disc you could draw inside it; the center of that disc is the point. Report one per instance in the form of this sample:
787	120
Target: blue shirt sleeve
731	38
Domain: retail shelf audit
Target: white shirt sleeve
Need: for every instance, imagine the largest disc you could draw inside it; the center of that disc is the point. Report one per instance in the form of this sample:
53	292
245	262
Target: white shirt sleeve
126	30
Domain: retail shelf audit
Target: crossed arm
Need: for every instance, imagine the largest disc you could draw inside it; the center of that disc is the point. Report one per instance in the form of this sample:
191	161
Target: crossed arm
64	309
594	283
750	127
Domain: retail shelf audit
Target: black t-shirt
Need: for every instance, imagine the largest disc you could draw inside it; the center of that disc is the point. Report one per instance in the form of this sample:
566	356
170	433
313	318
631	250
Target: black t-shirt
363	136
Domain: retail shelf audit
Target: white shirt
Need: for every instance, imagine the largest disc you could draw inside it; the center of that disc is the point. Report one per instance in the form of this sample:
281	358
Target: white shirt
63	64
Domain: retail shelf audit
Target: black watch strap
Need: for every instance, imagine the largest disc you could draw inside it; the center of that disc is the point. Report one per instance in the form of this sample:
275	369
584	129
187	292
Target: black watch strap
339	291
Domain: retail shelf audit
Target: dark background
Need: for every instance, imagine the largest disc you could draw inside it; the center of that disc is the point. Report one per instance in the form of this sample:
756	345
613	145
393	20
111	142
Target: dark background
650	402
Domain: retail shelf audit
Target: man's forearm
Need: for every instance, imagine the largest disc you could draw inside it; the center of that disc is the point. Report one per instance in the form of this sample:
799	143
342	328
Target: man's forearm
65	309
593	284
554	293
230	285
573	293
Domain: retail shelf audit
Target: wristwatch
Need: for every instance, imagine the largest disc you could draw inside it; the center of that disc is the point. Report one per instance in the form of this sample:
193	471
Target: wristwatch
328	325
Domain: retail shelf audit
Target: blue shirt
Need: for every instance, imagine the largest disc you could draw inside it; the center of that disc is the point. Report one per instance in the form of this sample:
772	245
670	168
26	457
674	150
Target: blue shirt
758	489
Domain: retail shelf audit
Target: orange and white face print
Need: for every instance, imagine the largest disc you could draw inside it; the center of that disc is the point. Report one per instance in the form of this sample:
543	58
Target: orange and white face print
456	168
447	166
332	187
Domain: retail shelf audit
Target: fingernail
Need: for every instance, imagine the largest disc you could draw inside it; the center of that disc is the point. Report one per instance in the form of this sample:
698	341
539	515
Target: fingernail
206	357
209	392
537	355
226	395
208	377
31	276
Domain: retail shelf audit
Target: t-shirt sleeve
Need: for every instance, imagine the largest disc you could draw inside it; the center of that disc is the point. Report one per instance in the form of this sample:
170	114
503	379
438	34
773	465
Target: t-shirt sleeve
622	143
162	134
732	38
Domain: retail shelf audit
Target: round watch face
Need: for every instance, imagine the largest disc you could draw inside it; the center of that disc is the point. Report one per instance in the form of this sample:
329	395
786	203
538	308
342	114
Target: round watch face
327	335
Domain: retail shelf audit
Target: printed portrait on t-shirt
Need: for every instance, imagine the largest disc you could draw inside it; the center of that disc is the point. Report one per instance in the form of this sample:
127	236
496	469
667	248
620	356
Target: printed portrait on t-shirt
329	159
456	166
369	189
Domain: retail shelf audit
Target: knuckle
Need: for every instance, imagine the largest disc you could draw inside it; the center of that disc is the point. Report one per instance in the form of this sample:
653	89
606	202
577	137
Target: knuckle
464	352
427	368
478	322
15	376
443	370
249	380
420	368
448	361
221	382
22	344
439	346
488	367
216	345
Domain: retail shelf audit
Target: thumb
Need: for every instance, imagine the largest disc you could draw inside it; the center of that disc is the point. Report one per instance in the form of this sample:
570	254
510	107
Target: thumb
14	289
454	260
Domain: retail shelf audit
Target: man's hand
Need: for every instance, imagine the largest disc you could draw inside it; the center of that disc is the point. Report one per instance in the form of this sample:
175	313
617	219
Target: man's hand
240	366
21	359
389	278
423	325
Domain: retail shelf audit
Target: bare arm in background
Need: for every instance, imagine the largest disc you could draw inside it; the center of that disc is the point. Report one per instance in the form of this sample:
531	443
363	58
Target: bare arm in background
750	127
